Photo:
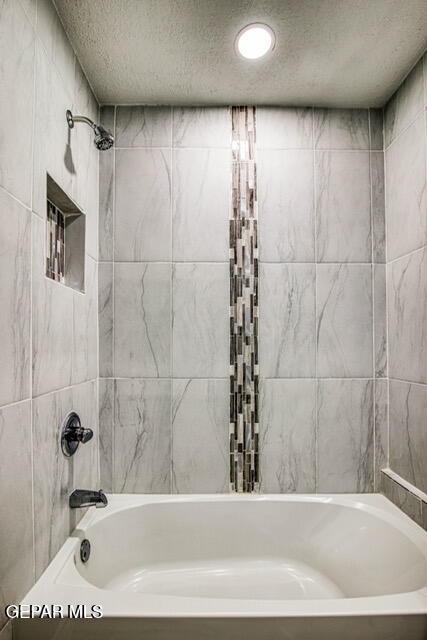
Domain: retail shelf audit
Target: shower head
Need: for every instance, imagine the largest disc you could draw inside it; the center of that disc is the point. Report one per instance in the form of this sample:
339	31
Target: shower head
103	139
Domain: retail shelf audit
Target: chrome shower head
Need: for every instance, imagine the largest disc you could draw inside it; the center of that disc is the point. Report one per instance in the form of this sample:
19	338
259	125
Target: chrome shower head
103	139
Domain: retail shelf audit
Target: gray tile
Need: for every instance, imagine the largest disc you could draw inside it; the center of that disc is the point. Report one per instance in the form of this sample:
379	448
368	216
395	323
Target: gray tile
286	205
343	206
344	321
404	105
380	321
142	436
52	315
341	128
201	201
287	345
284	128
142	320
54	38
15	302
200	414
106	191
288	436
16	531
105	318
345	436
424	515
406	192
16	110
381	430
408	435
106	426
402	498
85	327
376	125
407	317
378	207
6	631
200	320
30	8
201	127
144	127
142	209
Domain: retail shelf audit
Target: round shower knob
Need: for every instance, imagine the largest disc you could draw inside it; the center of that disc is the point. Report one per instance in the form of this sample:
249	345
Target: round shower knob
72	433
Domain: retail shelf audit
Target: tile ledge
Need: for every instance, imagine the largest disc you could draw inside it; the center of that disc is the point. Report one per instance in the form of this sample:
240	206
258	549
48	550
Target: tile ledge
405	484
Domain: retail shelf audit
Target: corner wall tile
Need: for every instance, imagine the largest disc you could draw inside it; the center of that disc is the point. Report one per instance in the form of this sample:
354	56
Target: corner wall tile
404	105
407	317
85	327
341	129
343	206
287	346
16	531
201	201
408	435
344	321
142	209
15	302
288	436
284	128
286	205
142	436
345	425
376	124
105	318
402	498
6	631
142	316
201	127
106	429
381	430
106	191
378	207
380	320
200	320
143	126
200	457
54	38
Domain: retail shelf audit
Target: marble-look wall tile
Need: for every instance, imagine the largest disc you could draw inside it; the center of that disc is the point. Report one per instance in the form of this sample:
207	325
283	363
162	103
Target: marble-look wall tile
16	531
344	321
142	320
201	127
142	208
408	435
105	318
142	436
288	436
378	207
85	327
106	190
6	632
343	211
406	192
287	344
200	417
52	314
404	105
143	126
201	202
381	430
345	436
376	125
15	303
380	320
402	498
284	128
16	108
407	317
286	205
54	38
341	129
106	427
200	320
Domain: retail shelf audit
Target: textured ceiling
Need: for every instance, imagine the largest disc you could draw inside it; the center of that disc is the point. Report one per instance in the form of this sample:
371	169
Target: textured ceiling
328	53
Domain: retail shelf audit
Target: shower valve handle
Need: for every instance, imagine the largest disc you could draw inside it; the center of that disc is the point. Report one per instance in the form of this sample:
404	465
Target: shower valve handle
72	433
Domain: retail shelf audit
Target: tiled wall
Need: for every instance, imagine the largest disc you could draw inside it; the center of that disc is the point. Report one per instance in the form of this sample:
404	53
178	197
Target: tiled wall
402	443
48	332
163	277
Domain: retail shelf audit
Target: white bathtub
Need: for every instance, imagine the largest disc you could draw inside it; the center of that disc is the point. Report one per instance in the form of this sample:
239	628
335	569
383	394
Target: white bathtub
233	566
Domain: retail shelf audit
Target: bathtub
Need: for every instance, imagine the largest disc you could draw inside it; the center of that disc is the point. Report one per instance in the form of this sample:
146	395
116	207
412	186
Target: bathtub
297	567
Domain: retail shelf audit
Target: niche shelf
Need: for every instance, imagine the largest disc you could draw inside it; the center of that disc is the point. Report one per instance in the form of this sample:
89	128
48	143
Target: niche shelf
65	238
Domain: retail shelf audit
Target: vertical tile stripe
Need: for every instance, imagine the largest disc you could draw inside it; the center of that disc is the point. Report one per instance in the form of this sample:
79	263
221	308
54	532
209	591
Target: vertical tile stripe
244	368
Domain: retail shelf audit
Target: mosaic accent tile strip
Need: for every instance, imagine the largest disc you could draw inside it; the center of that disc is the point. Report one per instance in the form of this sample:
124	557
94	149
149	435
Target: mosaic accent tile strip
244	368
55	245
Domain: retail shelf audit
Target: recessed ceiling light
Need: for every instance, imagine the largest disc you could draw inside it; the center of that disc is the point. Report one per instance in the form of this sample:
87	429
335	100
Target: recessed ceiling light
255	40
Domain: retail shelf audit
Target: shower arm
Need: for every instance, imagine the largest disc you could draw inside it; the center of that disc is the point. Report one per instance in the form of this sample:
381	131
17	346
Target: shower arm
72	119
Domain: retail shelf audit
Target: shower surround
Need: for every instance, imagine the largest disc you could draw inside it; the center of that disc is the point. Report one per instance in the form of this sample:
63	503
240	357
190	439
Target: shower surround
164	298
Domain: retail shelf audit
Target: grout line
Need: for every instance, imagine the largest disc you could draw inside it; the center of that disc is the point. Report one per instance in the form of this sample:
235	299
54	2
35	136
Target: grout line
407	255
171	318
372	308
404	130
65	388
316	408
113	332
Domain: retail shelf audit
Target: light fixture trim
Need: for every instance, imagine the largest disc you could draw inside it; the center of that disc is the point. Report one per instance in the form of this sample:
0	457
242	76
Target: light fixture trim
261	26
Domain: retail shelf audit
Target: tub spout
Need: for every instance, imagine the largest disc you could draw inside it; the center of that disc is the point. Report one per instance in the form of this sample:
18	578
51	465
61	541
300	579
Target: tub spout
86	498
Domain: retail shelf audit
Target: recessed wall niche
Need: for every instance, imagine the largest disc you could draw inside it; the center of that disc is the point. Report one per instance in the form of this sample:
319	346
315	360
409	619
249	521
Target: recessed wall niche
65	238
